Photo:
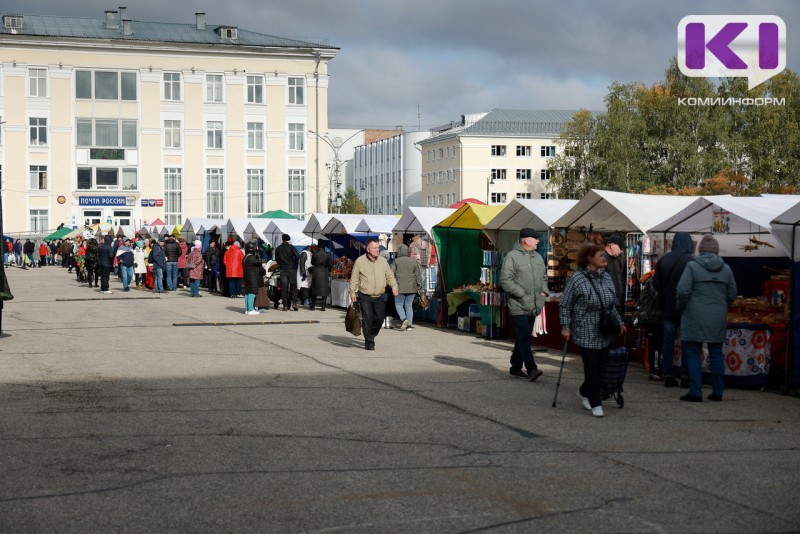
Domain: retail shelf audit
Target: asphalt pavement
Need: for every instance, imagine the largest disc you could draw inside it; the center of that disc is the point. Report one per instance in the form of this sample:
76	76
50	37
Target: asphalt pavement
135	412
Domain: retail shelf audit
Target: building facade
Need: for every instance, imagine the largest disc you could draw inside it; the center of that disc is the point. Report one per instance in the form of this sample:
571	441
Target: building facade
387	171
112	119
493	157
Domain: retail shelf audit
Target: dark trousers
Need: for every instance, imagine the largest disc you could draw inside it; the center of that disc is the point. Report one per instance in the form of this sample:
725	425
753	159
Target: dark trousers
211	280
91	274
314	302
655	341
594	360
288	285
522	353
373	312
105	272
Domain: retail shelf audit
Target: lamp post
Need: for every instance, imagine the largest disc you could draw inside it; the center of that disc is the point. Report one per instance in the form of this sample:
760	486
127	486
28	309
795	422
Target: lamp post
336	144
489	181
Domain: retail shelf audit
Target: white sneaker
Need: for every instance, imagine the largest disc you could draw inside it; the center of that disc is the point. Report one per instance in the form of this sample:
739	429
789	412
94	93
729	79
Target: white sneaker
404	326
597	411
107	292
584	400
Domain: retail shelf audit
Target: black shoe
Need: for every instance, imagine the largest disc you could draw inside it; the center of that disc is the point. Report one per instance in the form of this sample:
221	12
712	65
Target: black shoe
369	347
691	398
684	382
518	372
670	382
714	397
294	308
536	374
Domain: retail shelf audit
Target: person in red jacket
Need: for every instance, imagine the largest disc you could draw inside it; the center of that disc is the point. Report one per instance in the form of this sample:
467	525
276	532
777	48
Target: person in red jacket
234	271
43	251
183	272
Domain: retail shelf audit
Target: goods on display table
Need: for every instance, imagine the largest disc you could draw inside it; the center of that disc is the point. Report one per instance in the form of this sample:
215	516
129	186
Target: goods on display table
342	268
487	315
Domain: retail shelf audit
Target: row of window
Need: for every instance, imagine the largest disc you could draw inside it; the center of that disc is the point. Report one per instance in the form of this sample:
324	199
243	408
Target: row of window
442	153
496	174
447	199
524	151
121	85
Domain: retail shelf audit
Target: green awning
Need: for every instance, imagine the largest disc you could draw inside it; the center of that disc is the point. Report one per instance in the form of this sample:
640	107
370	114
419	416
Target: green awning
277	214
58	234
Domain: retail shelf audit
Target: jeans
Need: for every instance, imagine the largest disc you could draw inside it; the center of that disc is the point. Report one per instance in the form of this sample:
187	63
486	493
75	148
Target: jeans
288	288
105	273
668	351
594	360
127	275
692	354
194	287
158	279
235	286
404	304
522	353
172	275
5	259
373	312
249	302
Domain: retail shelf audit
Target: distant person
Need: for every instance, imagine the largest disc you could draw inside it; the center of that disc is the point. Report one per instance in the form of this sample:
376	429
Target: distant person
704	292
27	249
126	260
409	281
195	266
90	260
370	277
233	269
105	262
287	257
322	264
304	276
616	269
44	251
172	251
158	259
183	272
140	264
253	271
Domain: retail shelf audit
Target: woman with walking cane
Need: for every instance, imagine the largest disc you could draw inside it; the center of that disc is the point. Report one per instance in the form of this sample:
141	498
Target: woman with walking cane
590	318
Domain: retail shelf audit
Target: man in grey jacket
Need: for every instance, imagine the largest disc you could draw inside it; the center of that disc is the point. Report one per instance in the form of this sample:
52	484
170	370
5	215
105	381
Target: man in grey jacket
524	279
703	295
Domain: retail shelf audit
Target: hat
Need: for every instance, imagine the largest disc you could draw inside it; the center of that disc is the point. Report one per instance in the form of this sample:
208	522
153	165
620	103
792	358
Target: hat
161	239
527	232
198	243
615	239
127	240
286	237
708	244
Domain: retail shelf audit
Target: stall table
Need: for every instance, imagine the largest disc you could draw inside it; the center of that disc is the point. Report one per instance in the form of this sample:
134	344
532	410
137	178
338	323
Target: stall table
340	293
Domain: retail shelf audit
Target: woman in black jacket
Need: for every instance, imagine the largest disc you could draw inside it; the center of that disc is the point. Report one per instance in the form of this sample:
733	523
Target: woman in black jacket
322	264
252	271
211	259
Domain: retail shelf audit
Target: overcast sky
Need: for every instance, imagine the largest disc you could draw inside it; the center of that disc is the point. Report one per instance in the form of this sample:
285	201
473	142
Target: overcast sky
421	63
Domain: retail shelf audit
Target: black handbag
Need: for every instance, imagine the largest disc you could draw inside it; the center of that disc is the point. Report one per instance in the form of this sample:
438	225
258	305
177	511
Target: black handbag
607	325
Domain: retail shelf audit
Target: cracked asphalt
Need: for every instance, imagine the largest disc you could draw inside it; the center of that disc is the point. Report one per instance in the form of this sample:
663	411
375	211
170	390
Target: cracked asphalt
114	420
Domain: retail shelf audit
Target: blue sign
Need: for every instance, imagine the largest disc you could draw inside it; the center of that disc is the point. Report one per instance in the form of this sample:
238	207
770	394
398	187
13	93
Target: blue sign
106	201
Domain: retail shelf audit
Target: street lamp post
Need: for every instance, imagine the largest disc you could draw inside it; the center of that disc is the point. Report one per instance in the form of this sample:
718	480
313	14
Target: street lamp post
489	181
336	144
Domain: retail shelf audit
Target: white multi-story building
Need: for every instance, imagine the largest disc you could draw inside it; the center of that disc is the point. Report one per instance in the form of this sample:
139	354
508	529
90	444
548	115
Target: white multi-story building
112	119
388	170
493	157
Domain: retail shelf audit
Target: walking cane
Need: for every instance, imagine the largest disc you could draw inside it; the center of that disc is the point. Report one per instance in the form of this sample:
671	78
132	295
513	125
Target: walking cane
561	371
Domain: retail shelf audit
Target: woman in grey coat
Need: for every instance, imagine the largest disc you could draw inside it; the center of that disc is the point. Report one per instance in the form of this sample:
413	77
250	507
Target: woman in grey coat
409	281
703	295
589	291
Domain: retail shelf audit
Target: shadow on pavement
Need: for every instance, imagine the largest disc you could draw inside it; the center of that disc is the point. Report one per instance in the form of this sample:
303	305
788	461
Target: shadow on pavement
467	364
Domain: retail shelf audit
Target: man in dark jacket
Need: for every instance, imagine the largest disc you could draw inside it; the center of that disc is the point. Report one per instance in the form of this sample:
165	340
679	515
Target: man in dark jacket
616	269
158	260
172	250
210	259
105	260
287	257
27	249
669	270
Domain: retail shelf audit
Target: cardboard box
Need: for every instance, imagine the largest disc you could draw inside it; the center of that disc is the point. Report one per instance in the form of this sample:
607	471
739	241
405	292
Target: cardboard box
467	324
474	310
480	328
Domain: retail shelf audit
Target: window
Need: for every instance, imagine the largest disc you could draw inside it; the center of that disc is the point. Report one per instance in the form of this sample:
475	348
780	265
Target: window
108	179
83	84
548	151
440	200
524	151
106	85
39	223
129	180
545	175
38	175
523	196
296	135
255	89
214	134
213	87
38	82
12	23
84	132
498	150
547	196
296	91
106	132
173	196
128	86
498	198
524	174
38	131
255	192
498	174
172	86
84	178
297	191
128	134
172	134
123	217
441	153
448	152
255	135
215	188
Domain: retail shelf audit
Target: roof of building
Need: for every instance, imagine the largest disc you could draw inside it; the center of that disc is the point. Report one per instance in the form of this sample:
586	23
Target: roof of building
96	28
508	122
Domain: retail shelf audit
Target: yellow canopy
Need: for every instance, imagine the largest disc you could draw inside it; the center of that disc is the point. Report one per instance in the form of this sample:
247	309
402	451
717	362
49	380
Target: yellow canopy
176	232
471	216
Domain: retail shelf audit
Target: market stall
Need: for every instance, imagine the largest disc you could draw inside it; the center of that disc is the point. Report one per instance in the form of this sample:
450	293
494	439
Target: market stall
293	228
192	227
469	270
784	228
315	223
341	230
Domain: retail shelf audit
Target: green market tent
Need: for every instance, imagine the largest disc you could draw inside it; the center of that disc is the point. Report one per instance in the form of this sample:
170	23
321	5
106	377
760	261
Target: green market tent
276	214
58	234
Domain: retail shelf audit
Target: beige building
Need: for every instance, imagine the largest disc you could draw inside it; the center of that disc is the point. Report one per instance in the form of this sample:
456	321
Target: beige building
493	157
112	119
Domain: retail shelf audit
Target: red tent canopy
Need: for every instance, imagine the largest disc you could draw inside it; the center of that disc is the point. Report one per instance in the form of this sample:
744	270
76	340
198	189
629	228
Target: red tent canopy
157	222
466	201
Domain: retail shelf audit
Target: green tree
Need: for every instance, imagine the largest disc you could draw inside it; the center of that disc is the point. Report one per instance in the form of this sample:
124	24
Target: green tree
351	203
574	166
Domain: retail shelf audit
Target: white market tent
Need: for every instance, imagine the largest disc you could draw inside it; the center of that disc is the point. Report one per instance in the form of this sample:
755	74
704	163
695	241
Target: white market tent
784	228
377	224
732	220
235	226
255	228
166	230
210	225
418	220
294	228
316	222
537	214
193	226
341	224
611	211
